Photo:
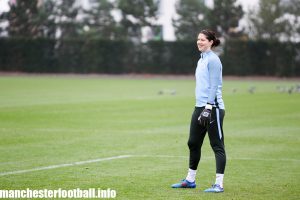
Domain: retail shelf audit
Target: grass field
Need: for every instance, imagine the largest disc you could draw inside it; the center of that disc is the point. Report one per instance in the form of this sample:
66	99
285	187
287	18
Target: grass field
55	120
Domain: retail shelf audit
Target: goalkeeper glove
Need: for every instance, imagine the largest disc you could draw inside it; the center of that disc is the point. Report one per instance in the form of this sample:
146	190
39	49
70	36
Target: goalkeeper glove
205	116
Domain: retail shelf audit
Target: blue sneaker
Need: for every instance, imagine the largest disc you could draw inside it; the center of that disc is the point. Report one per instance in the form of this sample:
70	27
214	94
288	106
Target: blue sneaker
184	184
215	189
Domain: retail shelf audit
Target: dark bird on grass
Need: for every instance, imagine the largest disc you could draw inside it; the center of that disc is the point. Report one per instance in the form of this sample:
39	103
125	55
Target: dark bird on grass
160	92
171	92
290	90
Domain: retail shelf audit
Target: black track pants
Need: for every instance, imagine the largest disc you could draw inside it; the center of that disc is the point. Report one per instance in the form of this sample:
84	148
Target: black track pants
216	137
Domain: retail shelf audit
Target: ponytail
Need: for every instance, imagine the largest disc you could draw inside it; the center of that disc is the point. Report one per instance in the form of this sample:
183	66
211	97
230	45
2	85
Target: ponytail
210	35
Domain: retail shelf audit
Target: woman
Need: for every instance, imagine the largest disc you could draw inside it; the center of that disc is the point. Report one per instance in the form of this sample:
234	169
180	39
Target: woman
208	114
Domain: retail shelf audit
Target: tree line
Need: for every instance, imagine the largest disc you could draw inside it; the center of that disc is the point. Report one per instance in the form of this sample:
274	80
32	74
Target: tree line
68	19
123	20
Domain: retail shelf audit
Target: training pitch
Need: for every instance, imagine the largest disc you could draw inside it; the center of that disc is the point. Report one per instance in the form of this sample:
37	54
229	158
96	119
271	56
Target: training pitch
129	134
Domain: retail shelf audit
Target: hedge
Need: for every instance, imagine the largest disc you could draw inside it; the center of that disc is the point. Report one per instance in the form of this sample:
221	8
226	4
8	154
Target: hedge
266	58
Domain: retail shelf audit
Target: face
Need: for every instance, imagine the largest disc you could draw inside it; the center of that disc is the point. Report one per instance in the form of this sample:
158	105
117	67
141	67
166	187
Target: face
203	43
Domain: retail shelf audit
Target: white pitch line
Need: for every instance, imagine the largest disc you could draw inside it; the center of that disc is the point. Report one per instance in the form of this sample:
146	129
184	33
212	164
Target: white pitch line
127	156
160	156
64	165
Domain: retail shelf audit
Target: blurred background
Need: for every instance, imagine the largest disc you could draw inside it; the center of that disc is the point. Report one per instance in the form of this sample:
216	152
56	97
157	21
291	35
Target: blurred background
259	37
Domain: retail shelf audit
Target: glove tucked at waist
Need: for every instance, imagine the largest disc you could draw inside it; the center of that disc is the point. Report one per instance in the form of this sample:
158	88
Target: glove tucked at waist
205	116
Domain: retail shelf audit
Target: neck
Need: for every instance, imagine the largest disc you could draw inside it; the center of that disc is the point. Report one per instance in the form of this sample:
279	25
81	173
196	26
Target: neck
207	50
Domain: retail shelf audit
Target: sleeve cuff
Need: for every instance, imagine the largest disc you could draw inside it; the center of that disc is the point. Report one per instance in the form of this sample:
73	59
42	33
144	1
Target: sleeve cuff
208	106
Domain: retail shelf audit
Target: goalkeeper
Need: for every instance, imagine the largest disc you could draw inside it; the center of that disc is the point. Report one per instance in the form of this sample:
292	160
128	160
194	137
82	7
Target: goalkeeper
208	114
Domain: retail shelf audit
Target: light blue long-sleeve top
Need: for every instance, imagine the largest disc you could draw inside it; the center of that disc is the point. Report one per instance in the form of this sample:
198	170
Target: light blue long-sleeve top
209	80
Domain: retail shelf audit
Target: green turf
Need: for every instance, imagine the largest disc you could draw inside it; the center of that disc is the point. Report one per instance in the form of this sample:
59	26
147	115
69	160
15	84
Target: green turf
49	120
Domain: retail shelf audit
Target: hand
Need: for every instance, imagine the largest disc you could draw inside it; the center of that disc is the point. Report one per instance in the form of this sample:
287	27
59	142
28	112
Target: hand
205	116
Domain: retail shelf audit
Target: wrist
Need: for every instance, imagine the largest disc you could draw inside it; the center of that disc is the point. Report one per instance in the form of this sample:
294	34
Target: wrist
208	106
